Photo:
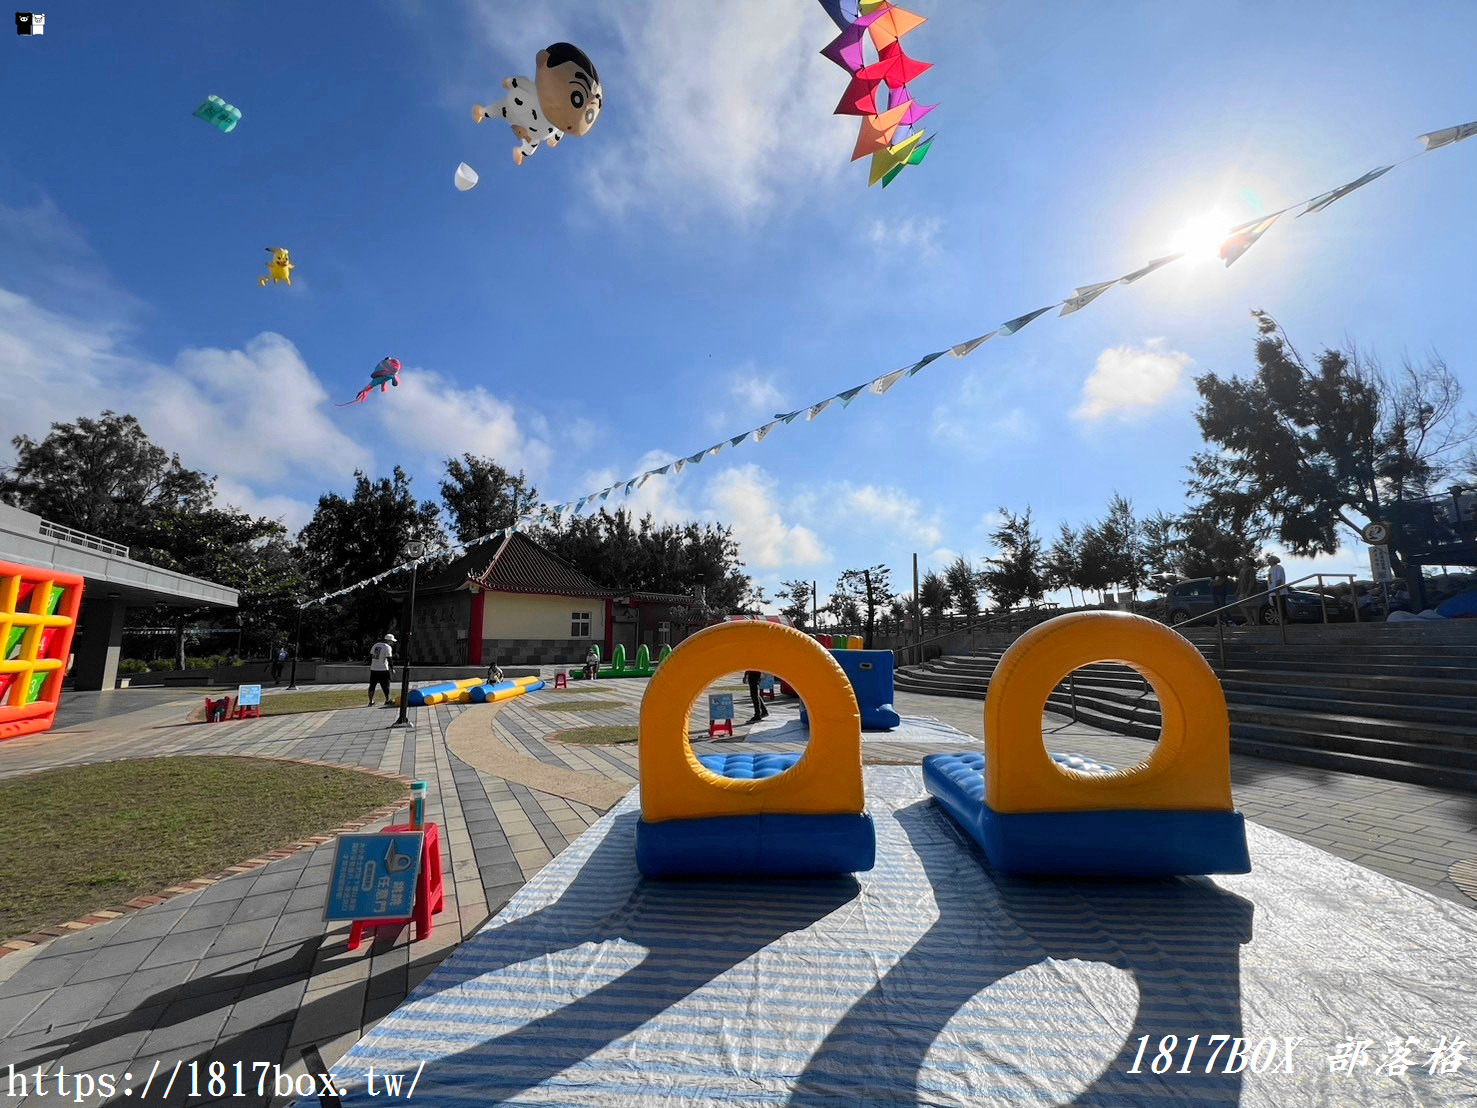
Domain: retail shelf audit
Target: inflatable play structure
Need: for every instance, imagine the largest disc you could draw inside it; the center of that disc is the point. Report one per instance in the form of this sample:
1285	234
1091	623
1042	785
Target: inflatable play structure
746	815
618	667
1035	813
472	690
38	615
870	674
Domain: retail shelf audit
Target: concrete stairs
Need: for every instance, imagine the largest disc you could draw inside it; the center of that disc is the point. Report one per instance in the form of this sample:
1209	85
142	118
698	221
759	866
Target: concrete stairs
1376	700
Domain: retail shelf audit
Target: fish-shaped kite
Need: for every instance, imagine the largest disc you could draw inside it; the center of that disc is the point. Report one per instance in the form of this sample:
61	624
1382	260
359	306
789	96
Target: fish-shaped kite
385	374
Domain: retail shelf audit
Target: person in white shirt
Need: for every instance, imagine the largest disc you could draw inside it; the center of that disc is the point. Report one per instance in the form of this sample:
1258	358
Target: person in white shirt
1277	582
379	667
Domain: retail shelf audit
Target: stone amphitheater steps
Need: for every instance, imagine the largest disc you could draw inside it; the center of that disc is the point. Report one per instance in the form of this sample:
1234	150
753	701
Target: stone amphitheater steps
1383	703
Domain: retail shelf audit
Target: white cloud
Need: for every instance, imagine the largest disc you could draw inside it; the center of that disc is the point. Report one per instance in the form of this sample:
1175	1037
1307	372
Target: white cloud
1130	381
754	393
909	235
890	511
745	498
427	412
702	101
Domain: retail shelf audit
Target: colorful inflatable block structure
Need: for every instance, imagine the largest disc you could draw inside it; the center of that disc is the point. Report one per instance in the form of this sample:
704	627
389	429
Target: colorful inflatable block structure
38	616
745	815
619	668
472	690
1036	813
870	674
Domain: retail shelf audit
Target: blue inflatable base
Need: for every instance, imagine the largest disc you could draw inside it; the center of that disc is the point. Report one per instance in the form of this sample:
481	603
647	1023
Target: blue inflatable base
1112	843
768	845
875	717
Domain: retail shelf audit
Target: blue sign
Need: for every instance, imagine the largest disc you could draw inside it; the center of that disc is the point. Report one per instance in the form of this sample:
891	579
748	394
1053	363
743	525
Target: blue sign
248	695
720	706
374	876
766	682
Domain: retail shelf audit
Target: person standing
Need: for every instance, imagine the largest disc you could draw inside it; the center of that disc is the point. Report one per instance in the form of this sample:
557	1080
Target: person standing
592	664
753	677
1220	592
277	664
1245	590
1277	582
379	667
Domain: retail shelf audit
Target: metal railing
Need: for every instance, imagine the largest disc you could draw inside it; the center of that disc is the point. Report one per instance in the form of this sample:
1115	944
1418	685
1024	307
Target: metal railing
1029	616
67	535
1241	601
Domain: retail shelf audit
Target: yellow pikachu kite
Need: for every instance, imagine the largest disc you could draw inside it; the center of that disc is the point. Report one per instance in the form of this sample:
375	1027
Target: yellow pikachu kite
279	268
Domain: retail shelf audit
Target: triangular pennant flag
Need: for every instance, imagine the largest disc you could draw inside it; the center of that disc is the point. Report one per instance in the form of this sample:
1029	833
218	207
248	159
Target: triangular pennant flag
1437	139
1085	296
860	97
846	48
849	395
964	349
926	360
678	464
877	131
579	505
788	418
738	440
886	381
1328	198
645	477
894	67
1021	320
1148	269
760	432
816	409
885	160
694	459
892	24
606	492
663	469
631	484
716	448
1243	241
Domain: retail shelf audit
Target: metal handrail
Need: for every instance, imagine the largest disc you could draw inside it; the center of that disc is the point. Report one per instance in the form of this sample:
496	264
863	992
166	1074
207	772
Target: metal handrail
999	617
1241	601
80	538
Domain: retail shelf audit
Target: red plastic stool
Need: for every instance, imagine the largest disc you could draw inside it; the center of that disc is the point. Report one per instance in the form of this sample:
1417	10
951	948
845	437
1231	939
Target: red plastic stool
245	711
720	727
561	679
430	897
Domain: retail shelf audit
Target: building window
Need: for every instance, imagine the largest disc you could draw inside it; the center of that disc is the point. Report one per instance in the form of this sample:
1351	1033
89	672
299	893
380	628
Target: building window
579	625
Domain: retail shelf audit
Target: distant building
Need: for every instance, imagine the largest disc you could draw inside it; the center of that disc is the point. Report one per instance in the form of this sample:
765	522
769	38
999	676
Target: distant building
527	606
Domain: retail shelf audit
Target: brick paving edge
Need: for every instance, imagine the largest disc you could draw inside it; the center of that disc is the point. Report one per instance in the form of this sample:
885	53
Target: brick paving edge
100	916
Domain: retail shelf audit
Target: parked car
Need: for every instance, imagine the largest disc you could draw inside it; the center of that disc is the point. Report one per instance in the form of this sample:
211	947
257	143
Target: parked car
1191	599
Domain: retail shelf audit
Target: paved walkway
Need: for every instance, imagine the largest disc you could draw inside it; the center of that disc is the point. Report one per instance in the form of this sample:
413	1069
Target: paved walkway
247	970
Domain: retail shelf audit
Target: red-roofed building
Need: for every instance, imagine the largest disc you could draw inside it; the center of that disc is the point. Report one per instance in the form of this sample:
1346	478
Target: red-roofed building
524	605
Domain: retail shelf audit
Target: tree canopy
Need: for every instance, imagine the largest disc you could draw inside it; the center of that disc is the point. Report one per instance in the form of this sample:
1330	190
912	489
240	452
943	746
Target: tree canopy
1016	574
481	496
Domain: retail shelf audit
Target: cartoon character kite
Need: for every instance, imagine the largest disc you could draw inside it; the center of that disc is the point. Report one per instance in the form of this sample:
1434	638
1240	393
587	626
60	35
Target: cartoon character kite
279	268
564	100
889	136
385	374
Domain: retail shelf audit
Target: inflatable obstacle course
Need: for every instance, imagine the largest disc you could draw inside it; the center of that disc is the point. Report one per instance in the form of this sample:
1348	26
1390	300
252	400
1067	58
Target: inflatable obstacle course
38	616
1036	813
870	674
619	668
484	693
472	690
752	815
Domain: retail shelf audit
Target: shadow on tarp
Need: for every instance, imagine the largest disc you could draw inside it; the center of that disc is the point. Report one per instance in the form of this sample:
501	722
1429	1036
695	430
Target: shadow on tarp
1180	938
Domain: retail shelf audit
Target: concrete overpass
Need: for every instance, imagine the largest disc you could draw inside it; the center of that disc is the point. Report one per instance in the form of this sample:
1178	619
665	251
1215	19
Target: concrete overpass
114	583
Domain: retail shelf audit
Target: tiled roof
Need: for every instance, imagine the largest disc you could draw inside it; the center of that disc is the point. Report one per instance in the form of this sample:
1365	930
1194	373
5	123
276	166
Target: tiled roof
522	565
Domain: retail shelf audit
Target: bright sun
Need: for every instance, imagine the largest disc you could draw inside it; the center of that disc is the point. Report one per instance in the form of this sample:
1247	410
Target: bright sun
1200	239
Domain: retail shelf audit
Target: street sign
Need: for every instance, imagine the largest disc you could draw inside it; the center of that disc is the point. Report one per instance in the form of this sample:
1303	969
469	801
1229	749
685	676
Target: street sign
1379	564
374	876
766	683
720	706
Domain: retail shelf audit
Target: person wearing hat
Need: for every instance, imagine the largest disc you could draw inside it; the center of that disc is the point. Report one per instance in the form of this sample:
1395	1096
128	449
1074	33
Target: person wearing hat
379	667
1277	582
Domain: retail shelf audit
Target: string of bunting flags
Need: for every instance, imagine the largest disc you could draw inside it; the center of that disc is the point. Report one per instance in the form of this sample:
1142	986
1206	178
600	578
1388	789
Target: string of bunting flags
1238	241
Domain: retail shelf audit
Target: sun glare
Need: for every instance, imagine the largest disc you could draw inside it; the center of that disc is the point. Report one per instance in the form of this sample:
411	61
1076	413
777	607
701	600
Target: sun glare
1199	240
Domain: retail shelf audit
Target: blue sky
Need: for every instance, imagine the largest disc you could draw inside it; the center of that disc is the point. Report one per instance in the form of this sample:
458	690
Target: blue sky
706	256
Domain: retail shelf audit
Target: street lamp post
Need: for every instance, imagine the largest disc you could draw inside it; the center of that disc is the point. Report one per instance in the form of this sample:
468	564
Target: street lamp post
297	642
416	549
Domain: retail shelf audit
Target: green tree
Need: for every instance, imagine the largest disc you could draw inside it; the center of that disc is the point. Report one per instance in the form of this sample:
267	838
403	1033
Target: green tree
797	608
964	587
351	538
934	595
1122	538
1017	574
481	496
103	476
1062	562
1094	562
1297	451
869	589
1206	545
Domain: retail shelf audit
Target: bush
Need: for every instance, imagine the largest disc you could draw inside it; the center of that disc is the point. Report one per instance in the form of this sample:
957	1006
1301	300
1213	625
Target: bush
133	665
161	665
199	663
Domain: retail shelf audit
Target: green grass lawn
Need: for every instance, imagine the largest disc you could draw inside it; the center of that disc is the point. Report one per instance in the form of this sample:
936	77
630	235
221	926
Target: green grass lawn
320	700
582	704
88	837
596	736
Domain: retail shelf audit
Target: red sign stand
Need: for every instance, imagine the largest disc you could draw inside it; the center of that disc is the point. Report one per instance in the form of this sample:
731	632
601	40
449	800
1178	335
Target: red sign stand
430	897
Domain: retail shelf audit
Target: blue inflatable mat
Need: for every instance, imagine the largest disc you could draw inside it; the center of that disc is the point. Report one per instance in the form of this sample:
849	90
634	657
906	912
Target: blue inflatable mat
1104	843
767	845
